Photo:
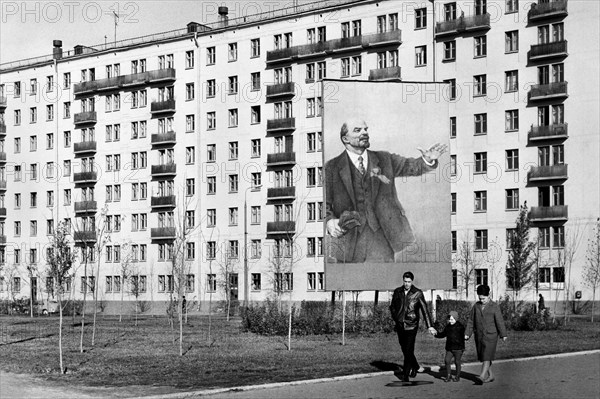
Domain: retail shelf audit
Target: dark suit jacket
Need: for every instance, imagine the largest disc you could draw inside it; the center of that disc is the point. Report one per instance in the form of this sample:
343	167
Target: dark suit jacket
339	197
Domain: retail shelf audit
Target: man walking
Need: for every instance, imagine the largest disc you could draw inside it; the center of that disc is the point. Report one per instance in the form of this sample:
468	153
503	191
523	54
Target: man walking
407	302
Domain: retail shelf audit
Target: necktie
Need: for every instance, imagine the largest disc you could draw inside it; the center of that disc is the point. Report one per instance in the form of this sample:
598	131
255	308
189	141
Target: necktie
361	166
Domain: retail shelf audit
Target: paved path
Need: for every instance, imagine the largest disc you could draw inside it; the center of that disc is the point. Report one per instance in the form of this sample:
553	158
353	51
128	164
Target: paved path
574	376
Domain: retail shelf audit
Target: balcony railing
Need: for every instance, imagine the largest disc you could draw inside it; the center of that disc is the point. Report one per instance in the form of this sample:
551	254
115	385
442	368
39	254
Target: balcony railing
548	50
2	157
281	159
164	170
550	132
164	138
284	124
162	233
548	91
85	177
2	128
281	228
85	117
165	201
389	73
2	184
549	172
553	9
281	193
85	236
117	82
548	213
2	212
281	90
2	239
2	102
162	106
86	206
84	147
335	45
462	24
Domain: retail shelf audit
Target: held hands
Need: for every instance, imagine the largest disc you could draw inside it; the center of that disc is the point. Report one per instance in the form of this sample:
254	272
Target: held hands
432	331
504	339
466	337
334	229
434	152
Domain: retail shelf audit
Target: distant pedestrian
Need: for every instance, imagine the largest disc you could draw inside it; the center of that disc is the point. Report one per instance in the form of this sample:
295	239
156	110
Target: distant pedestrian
183	304
541	305
485	320
454	332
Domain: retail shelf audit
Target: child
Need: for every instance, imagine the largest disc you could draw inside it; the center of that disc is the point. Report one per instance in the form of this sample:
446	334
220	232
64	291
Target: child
455	344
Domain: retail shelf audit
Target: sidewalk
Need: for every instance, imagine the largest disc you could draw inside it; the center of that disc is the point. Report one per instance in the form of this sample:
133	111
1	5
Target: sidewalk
569	375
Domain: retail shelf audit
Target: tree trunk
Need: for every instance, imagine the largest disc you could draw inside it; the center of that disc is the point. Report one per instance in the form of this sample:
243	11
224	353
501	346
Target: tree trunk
180	331
95	293
121	307
85	290
343	317
290	326
60	324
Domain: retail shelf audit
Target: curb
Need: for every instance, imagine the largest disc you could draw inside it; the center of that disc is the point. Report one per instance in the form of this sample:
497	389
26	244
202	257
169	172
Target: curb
183	395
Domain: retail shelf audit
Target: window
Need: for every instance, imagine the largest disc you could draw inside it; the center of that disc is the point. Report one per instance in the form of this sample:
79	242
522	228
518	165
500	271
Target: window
211	283
480	46
558	274
189	59
453	165
211	152
544	275
481	240
33	87
211	120
310	246
310	72
450	50
451	88
452	126
190	155
255	80
33	228
512	159
33	200
233	252
66	80
189	91
255	214
321	70
511	120
49	141
211	55
255	114
544	237
211	88
67	109
254	48
233	117
420	55
511	81
211	185
558	236
481	276
449	11
233	183
479	85
480	201
190	187
49	112
480	124
32	115
255	282
17	117
190	251
453	203
211	217
233	85
512	6
480	162
233	216
345	67
511	42
256	180
232	52
512	199
190	123
233	150
356	65
420	18
345	30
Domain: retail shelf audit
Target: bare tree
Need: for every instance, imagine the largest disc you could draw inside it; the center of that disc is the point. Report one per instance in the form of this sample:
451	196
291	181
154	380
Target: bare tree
126	259
60	259
466	261
591	272
566	257
493	264
521	263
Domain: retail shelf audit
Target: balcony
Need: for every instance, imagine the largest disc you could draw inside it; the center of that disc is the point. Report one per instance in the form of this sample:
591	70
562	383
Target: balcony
550	132
2	185
85	117
2	239
162	233
281	90
549	172
165	201
168	169
85	177
2	212
2	129
557	213
280	125
85	236
279	229
165	106
462	24
118	82
390	73
2	157
548	91
281	159
281	193
355	43
540	52
541	11
168	138
84	147
86	207
2	103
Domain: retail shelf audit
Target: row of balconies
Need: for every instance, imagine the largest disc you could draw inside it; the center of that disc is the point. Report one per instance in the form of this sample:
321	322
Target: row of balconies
541	52
355	43
462	24
85	147
551	9
2	103
162	170
548	91
125	81
156	107
556	213
2	129
547	172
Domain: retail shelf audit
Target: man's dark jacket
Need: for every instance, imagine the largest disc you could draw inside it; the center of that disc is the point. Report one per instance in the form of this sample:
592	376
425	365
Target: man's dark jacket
339	197
405	308
455	336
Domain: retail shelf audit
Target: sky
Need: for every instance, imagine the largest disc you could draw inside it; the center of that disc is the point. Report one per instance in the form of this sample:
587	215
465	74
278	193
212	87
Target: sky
27	28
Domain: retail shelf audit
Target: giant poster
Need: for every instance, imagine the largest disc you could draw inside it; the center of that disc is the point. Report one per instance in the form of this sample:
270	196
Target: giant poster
387	185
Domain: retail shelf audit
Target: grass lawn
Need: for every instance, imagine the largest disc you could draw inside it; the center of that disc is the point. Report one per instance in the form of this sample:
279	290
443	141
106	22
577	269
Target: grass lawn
146	355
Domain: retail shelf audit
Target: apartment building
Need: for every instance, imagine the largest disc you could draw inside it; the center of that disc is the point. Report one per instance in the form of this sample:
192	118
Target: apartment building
215	130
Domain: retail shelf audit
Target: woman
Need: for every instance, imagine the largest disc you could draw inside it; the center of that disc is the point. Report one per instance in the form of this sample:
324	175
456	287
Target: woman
486	321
